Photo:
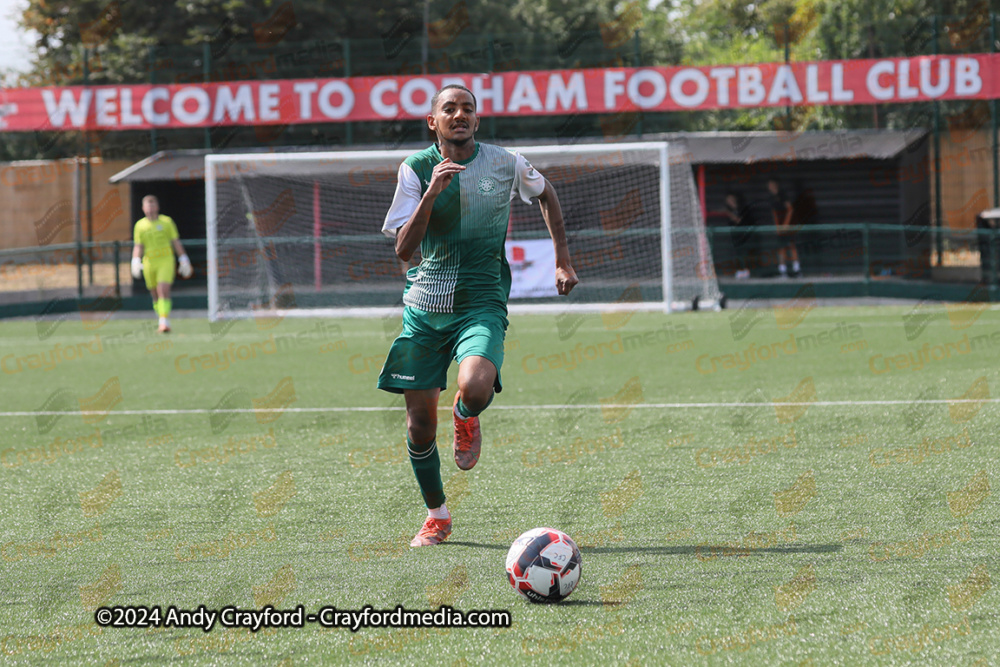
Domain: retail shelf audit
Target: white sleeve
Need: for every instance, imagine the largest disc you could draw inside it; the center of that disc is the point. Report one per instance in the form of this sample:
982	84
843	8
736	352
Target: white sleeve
528	183
404	202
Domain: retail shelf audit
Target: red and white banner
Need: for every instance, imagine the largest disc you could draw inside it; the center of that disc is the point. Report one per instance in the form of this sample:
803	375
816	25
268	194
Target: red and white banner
532	268
600	91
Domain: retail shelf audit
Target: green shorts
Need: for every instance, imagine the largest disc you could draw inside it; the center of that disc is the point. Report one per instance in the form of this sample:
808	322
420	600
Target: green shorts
156	271
420	355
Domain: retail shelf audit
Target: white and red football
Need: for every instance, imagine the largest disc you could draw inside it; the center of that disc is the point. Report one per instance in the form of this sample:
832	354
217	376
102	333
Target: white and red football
543	565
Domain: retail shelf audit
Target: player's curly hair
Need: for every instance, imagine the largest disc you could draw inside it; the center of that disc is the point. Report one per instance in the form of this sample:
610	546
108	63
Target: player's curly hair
437	95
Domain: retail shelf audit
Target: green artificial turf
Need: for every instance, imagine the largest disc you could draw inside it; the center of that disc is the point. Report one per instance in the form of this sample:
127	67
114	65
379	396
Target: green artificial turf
717	525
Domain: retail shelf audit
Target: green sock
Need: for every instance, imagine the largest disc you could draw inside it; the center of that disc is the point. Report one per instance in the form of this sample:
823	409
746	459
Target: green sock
427	468
464	410
156	307
165	306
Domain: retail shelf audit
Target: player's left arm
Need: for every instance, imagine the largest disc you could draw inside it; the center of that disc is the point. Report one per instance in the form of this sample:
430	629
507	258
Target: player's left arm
184	263
529	185
552	213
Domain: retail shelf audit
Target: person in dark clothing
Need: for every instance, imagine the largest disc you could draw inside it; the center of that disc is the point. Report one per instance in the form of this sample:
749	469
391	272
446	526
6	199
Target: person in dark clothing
745	241
783	211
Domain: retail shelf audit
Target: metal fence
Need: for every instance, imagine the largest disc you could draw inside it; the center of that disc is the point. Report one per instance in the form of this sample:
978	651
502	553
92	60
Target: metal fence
55	278
859	253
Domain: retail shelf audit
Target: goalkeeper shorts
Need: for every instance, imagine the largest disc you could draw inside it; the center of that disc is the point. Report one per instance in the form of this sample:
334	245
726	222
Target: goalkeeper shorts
158	271
420	355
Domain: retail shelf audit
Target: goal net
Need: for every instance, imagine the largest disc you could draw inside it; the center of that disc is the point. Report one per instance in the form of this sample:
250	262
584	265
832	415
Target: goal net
300	232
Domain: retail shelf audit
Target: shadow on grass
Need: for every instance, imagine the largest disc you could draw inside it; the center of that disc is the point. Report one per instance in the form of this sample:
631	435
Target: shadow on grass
477	545
717	550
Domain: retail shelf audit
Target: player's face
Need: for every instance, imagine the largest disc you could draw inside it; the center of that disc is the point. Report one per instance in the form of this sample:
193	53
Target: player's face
151	208
454	120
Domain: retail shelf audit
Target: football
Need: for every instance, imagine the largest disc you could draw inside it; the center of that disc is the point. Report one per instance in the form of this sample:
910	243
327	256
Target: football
543	565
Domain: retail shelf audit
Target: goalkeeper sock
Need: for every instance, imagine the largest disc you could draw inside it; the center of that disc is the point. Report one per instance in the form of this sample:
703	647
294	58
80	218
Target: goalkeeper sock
427	468
463	412
440	513
166	305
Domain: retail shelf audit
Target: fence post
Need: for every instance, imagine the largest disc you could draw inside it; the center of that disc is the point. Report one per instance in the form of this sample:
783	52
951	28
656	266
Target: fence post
638	63
871	54
866	258
994	241
206	76
993	117
937	159
349	129
77	205
490	63
788	57
152	81
117	260
89	199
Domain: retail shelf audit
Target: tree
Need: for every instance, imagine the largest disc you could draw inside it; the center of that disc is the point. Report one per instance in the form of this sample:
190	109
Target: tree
737	31
115	41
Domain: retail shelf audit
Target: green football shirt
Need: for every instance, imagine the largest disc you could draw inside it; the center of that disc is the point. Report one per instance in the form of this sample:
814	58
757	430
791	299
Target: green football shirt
463	264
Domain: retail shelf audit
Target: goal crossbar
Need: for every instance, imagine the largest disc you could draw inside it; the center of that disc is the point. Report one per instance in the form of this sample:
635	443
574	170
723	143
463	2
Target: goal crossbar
223	170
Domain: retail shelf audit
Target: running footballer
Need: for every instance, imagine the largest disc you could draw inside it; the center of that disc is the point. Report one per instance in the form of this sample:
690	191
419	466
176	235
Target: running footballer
452	201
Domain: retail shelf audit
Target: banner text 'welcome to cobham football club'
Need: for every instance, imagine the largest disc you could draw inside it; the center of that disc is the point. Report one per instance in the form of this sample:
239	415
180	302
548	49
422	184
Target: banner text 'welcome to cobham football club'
601	91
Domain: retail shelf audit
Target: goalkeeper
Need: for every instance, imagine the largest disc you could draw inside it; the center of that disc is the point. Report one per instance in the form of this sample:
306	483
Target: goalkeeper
453	202
155	242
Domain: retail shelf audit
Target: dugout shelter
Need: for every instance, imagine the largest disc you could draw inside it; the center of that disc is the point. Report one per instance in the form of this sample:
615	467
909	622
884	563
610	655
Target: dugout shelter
847	186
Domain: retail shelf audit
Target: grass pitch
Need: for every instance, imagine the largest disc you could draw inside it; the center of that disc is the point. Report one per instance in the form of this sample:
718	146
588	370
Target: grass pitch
787	486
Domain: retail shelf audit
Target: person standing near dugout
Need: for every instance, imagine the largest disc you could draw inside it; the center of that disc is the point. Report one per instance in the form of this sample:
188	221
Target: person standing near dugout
155	240
783	211
452	201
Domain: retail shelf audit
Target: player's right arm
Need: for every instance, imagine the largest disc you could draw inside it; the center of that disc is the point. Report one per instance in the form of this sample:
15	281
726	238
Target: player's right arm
137	251
411	233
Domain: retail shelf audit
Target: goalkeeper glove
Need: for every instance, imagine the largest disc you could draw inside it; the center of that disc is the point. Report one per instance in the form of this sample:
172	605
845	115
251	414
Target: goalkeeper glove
136	267
185	267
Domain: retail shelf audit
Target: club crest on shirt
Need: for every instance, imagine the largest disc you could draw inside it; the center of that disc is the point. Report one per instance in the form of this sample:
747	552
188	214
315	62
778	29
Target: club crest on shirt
487	186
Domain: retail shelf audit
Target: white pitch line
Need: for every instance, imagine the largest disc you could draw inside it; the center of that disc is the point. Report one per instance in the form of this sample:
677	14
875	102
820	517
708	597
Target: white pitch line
580	406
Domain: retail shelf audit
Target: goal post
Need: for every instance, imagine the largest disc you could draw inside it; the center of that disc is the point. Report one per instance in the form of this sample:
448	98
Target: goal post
300	232
665	244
